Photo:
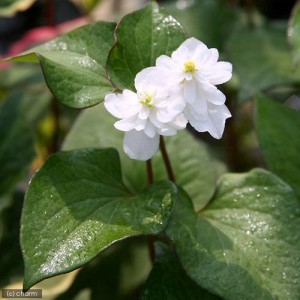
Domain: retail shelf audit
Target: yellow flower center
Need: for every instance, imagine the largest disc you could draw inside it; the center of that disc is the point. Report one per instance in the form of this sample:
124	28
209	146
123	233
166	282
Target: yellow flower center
190	67
146	100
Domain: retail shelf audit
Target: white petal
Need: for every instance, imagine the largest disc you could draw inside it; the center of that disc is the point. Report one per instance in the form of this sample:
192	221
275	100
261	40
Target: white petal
200	104
137	145
193	45
130	97
189	91
150	130
181	55
188	76
110	103
218	115
114	103
200	77
160	76
171	128
215	122
177	103
122	105
126	124
163	116
140	124
129	102
167	62
207	58
219	73
211	94
143	77
180	122
153	118
144	113
167	131
192	115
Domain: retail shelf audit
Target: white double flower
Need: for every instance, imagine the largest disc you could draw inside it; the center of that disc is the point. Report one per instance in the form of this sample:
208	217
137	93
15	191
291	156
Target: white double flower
179	89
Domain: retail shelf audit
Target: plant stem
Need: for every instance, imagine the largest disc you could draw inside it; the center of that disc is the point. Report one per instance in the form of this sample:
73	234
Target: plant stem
149	171
166	159
151	240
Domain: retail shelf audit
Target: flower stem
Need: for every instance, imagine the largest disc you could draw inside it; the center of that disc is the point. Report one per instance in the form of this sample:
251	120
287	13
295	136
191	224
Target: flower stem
149	171
166	159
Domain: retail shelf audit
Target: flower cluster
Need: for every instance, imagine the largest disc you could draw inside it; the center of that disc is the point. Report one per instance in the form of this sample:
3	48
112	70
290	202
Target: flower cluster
179	89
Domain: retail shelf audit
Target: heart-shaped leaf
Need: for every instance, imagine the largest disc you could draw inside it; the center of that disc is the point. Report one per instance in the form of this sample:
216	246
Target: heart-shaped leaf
77	205
246	243
141	37
74	65
189	157
168	280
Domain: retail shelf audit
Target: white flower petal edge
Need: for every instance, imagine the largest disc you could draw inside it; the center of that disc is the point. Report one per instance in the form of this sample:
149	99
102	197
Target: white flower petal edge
145	115
178	89
215	121
192	73
137	145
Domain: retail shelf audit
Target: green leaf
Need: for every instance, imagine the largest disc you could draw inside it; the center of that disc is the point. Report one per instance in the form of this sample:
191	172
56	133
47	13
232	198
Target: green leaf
278	129
168	280
77	205
10	7
74	65
115	273
188	156
142	36
17	134
264	69
294	34
246	243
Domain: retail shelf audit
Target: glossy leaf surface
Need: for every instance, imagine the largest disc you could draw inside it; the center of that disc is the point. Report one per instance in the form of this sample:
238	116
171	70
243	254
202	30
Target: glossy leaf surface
115	273
83	207
141	37
189	157
74	65
168	279
246	243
